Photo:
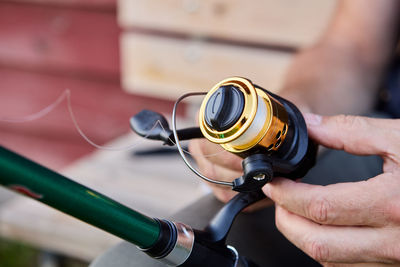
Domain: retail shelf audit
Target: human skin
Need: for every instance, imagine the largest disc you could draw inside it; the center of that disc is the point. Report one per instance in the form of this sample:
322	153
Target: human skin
346	224
339	74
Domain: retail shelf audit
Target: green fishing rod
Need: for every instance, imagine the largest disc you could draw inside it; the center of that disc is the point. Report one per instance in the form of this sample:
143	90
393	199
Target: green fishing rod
172	243
158	238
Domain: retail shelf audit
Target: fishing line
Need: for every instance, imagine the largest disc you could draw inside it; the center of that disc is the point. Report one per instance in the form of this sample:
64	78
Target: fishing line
67	95
40	113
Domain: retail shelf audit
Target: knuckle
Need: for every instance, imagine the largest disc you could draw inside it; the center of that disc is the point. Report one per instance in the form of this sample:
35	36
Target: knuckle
318	251
330	264
396	133
392	211
234	162
208	170
320	210
279	223
196	150
390	253
222	194
348	121
274	196
395	255
393	146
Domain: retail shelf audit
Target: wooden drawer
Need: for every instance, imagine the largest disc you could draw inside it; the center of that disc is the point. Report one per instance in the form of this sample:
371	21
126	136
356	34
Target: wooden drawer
168	67
285	22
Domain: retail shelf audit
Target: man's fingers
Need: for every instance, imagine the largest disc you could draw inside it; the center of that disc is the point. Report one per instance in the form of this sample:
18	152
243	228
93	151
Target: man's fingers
338	204
355	134
214	171
204	149
326	243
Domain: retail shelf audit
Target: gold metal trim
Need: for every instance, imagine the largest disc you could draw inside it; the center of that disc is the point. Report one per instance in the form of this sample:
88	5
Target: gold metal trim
273	132
244	122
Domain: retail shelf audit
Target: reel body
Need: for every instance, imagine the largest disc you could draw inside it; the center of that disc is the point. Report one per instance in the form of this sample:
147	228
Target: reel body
266	130
269	133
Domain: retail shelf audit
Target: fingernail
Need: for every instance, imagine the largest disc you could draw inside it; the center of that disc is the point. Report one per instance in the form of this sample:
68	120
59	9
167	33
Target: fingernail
267	190
312	119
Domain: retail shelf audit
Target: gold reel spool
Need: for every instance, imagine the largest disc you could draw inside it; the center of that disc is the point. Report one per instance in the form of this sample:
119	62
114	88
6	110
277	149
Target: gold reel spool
240	117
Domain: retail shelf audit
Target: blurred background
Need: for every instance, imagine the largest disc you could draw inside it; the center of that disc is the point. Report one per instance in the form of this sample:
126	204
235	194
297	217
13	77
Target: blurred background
117	58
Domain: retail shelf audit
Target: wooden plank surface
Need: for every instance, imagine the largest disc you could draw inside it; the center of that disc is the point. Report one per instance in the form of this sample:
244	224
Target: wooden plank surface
51	230
166	67
156	186
284	22
73	42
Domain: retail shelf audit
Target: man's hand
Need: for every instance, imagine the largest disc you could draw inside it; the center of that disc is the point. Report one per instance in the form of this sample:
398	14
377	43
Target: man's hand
216	163
346	223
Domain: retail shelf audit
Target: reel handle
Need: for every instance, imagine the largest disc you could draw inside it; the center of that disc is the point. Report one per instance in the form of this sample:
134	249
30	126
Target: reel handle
153	125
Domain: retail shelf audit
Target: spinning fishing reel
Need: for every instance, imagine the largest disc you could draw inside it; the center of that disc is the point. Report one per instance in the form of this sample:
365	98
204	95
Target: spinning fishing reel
266	130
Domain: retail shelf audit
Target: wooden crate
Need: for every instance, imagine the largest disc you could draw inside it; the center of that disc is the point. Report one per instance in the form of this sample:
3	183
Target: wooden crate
283	22
174	46
168	67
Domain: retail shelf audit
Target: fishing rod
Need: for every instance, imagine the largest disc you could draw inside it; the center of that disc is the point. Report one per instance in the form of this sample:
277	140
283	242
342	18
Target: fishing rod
267	131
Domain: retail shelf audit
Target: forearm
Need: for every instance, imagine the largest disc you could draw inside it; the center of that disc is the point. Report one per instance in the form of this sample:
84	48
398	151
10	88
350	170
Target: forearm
329	80
343	71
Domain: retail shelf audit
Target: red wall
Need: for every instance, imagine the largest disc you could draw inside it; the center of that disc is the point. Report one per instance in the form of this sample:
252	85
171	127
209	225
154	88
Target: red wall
47	46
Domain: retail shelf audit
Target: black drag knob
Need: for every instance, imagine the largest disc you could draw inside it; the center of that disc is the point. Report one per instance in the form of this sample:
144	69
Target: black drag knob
224	108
